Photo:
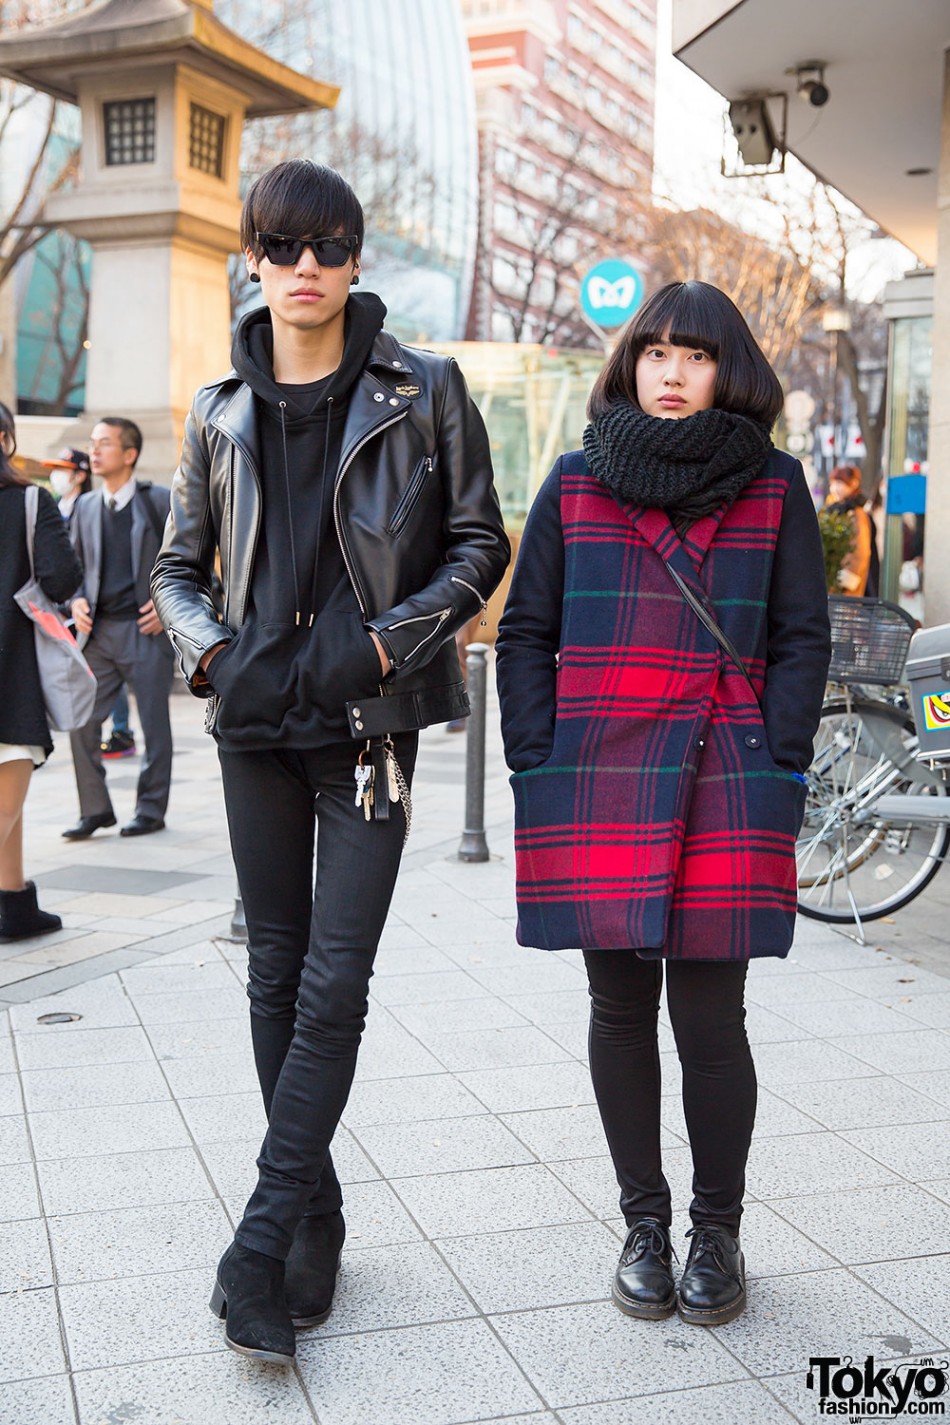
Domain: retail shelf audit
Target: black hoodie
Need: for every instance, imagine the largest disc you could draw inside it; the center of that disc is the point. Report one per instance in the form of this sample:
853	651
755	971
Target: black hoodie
303	649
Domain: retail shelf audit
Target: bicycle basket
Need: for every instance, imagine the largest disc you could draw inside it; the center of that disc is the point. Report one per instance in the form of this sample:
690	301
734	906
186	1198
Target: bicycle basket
869	640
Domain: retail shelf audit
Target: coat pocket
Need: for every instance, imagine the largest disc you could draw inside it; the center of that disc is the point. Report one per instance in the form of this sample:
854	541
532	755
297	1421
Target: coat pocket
407	501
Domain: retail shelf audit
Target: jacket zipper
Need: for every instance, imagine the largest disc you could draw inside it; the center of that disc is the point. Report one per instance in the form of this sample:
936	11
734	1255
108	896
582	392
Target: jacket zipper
336	506
472	589
441	616
186	636
411	494
237	444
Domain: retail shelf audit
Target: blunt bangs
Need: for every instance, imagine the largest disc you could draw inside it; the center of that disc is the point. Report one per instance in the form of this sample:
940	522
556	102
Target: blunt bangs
696	315
300	199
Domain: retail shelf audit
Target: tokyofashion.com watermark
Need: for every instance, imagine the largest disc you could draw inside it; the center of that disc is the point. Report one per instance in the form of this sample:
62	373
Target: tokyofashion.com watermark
868	1391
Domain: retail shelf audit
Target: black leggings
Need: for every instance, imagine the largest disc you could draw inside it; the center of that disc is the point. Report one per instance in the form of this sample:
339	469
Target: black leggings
705	1001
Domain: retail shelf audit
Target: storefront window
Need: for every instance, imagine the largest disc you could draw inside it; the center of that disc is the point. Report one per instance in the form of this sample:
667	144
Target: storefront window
906	495
533	400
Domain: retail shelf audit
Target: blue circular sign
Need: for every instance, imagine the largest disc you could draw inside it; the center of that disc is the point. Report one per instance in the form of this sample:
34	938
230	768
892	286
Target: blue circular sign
611	292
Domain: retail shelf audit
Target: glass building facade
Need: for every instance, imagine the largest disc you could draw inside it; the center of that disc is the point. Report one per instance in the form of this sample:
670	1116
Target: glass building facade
403	133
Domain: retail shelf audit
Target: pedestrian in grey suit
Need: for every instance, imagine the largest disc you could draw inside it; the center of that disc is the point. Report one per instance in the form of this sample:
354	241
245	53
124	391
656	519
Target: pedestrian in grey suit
117	532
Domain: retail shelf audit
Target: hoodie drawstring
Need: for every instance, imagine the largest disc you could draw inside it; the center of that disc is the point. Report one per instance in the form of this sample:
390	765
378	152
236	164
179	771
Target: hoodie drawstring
290	508
323	487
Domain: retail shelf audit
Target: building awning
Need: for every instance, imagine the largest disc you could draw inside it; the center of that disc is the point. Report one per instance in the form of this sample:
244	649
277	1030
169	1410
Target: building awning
877	140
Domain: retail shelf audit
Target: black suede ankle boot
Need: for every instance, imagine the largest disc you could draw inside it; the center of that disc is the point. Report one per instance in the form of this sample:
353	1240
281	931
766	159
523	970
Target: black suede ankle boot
249	1297
21	918
311	1268
643	1283
712	1287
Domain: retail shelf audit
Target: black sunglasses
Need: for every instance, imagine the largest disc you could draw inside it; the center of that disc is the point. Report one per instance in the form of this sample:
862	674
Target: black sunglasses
285	251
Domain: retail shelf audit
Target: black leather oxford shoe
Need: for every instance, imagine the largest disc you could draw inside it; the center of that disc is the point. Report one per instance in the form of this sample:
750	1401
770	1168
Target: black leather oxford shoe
643	1282
143	826
712	1288
86	825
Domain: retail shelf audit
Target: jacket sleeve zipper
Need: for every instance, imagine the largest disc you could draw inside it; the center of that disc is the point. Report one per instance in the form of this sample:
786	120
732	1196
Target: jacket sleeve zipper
471	588
441	616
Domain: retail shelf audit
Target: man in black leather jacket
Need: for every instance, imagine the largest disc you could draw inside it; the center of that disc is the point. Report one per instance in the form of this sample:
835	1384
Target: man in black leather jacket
346	483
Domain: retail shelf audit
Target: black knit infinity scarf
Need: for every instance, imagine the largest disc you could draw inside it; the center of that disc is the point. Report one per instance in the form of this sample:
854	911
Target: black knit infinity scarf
689	467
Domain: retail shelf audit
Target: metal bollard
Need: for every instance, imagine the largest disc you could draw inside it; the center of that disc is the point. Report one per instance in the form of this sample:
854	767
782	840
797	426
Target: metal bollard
473	846
238	930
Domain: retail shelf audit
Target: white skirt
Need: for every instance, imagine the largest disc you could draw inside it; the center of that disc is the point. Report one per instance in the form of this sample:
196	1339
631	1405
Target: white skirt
18	752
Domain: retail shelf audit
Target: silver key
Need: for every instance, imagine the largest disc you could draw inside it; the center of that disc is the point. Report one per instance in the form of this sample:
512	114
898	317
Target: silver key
362	776
368	796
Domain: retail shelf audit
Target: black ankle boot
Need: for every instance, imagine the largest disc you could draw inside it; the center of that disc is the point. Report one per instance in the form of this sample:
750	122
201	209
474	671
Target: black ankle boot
249	1296
311	1268
643	1283
712	1288
21	918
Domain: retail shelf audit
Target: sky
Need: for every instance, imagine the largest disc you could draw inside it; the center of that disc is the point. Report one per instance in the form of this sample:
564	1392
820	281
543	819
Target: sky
688	149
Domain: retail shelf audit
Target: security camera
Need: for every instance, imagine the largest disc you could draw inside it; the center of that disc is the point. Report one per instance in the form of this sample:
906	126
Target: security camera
815	92
811	84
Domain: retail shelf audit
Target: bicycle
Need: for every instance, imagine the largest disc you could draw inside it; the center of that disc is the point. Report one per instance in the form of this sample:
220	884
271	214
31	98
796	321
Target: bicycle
876	828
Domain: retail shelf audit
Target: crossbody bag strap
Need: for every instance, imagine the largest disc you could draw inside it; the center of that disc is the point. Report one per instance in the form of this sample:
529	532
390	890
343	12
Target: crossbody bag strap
31	504
709	621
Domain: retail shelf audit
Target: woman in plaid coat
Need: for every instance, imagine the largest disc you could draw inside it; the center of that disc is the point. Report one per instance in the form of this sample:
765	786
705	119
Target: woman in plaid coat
661	666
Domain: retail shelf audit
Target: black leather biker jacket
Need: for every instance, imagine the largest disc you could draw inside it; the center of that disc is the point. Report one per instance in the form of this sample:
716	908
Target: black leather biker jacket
416	516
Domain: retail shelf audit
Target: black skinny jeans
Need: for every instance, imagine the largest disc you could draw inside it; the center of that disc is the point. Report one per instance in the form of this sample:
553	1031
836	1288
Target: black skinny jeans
310	950
705	1001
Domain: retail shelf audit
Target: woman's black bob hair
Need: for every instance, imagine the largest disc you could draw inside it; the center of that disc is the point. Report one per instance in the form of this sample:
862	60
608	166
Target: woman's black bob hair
9	475
300	199
698	315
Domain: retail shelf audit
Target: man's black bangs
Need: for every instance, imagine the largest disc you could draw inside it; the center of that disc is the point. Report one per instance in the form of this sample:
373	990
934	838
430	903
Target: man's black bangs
297	215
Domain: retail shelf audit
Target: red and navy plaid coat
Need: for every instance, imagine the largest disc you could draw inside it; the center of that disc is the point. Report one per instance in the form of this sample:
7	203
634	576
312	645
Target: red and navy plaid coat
656	796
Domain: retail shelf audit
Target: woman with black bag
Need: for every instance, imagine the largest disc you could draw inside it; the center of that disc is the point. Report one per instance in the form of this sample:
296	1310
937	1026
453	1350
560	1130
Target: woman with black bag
661	665
25	740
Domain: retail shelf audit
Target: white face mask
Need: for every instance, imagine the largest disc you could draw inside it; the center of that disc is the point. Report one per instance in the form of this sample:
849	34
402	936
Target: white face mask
61	481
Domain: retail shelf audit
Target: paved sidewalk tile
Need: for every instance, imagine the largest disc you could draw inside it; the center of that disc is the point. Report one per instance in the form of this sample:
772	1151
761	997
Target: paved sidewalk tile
418	1375
871	1224
18	1192
739	1403
581	1354
41	1401
30	1342
534	1266
140	1318
822	1309
192	1390
450	1203
116	1180
25	1261
419	1288
136	1241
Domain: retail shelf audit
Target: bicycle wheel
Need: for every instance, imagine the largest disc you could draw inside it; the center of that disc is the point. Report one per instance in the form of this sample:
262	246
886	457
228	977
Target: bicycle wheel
852	864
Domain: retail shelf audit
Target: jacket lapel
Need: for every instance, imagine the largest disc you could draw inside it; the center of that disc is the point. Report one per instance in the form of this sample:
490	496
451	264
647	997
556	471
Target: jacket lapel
140	528
92	549
238	421
372	406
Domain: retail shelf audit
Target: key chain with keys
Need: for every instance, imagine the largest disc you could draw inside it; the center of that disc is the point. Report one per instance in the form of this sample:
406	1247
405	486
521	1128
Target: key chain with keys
364	776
